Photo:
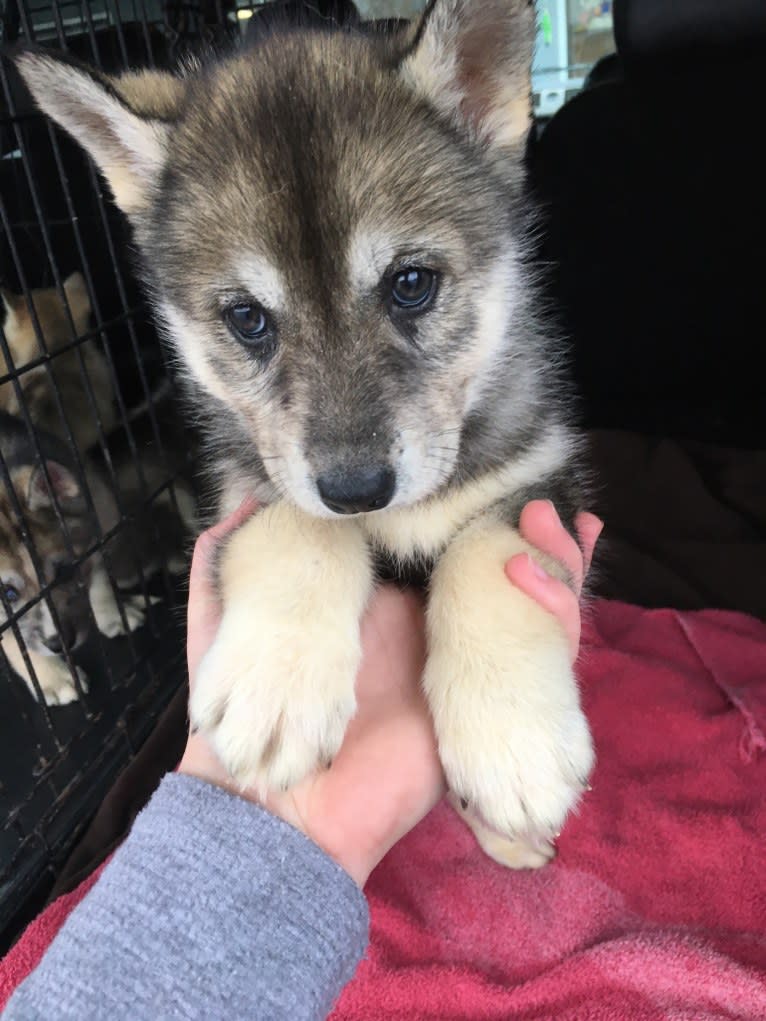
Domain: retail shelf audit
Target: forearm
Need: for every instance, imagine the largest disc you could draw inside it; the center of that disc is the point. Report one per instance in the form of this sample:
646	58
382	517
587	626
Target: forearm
211	908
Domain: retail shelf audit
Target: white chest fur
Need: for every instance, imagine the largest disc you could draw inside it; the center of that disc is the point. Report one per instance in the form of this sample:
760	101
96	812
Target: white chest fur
425	528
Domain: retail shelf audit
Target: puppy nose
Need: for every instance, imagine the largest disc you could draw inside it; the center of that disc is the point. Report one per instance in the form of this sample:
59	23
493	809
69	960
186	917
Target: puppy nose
64	639
358	490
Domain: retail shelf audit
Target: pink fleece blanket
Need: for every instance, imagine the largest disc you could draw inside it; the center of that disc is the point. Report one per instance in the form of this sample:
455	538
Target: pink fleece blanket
656	905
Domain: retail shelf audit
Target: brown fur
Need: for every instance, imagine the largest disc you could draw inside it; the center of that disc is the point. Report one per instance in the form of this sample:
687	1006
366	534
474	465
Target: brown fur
64	614
82	595
63	372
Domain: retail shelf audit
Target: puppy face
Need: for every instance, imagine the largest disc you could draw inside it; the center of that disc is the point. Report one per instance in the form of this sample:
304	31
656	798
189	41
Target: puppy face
330	232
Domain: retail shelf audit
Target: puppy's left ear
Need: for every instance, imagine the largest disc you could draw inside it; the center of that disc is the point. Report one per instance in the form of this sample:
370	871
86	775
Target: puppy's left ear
472	59
122	122
64	488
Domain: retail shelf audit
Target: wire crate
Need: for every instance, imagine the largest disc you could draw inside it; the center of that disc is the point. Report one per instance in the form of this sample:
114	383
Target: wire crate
87	421
106	410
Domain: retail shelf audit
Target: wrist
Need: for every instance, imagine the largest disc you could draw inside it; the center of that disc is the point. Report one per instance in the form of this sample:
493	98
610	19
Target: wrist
355	862
200	761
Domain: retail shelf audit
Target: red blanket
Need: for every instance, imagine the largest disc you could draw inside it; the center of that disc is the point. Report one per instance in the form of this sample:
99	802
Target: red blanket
656	906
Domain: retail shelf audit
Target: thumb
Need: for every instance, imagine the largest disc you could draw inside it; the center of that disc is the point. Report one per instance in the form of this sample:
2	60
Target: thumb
204	611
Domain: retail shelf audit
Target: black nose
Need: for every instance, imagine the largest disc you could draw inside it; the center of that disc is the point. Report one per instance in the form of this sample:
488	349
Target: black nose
65	639
357	490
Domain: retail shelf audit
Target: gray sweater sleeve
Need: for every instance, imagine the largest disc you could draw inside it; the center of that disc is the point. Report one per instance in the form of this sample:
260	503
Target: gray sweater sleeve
213	909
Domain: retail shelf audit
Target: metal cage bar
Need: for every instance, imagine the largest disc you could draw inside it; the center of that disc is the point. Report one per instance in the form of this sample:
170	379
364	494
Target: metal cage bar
57	761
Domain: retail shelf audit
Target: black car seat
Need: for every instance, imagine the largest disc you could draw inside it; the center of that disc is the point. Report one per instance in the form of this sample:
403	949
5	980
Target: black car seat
314	13
652	186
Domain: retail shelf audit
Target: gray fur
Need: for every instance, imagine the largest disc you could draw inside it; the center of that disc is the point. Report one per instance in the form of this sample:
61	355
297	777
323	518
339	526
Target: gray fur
289	186
285	151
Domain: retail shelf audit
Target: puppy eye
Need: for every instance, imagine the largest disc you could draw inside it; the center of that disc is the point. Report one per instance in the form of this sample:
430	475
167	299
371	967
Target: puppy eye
413	288
249	323
11	593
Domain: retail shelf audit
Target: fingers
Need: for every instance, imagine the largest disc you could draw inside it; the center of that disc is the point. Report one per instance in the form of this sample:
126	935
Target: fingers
204	611
541	526
552	594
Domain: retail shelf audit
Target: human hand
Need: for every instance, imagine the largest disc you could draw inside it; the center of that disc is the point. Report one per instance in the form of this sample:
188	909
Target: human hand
387	775
541	526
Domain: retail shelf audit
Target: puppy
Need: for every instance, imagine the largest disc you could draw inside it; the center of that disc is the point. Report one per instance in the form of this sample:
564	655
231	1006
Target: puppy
39	385
333	227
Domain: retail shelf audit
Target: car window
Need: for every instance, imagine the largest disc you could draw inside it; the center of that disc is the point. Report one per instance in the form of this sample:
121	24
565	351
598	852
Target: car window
572	36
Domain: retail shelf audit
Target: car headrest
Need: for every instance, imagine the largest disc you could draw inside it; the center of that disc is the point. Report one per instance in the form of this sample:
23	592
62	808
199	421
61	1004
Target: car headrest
649	30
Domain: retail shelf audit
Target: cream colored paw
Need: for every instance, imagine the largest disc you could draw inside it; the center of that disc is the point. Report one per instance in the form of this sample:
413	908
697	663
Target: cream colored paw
519	853
513	740
56	682
275	695
275	691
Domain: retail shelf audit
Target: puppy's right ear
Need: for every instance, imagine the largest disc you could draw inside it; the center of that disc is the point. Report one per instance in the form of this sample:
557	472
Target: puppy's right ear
473	60
122	122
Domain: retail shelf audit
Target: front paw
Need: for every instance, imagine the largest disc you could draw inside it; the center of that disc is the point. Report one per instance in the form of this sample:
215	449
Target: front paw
110	621
513	740
275	694
56	682
275	691
525	852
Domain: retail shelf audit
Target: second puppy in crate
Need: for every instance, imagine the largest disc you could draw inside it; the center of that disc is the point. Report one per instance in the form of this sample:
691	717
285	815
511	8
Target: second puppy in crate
46	389
73	490
35	551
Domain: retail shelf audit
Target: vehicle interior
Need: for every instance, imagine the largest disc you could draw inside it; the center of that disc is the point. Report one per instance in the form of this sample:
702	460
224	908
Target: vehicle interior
647	180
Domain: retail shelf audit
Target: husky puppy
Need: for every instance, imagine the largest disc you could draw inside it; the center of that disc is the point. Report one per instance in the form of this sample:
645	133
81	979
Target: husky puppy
35	552
332	226
79	595
37	387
